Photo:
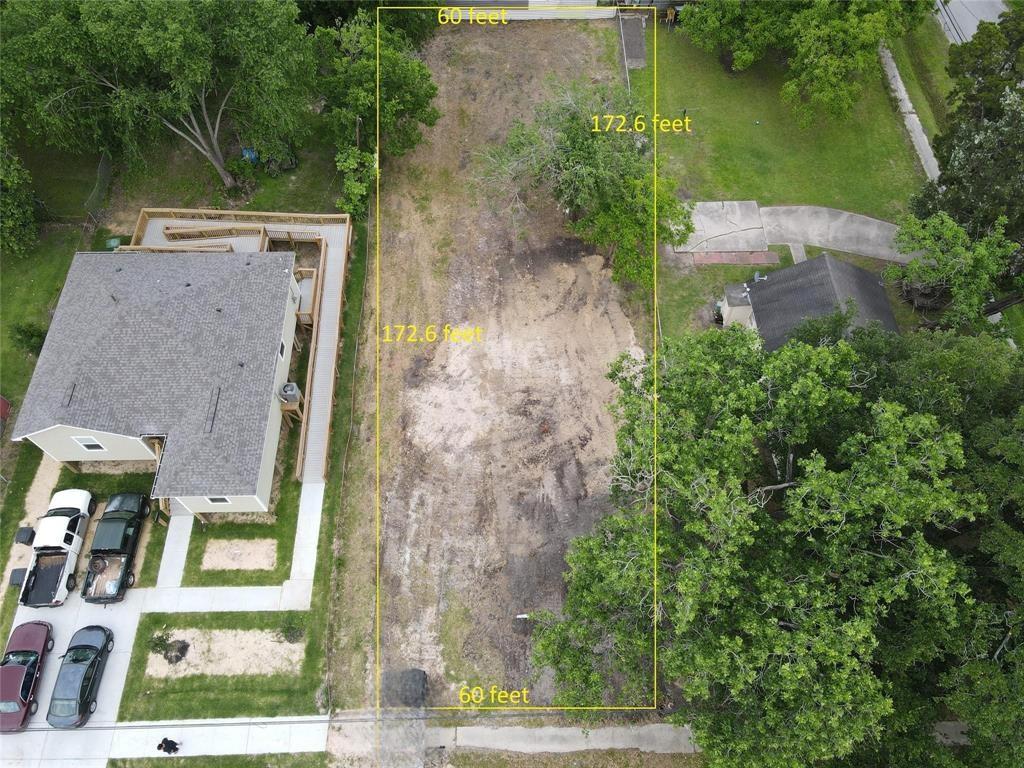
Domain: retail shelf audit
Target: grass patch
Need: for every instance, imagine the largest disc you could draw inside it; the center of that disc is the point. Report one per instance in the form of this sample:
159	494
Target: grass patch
906	318
61	180
204	696
685	298
286	512
310	187
26	464
31	285
1013	319
150	569
350	596
921	57
300	760
746	144
103	486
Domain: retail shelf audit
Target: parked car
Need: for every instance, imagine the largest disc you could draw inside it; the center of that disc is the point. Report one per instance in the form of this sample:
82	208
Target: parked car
20	669
113	548
78	681
55	549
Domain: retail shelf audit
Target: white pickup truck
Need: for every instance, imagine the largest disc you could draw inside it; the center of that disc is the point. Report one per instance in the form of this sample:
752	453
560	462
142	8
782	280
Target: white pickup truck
58	541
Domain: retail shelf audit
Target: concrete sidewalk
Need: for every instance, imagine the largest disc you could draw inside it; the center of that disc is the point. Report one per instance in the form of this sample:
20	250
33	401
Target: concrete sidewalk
657	738
910	119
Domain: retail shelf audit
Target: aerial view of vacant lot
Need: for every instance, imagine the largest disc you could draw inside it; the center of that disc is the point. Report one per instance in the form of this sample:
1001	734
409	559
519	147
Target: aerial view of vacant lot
518	384
495	449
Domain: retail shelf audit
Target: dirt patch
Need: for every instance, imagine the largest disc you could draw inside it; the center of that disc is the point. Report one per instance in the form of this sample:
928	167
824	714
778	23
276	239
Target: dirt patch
240	554
228	652
146	466
495	454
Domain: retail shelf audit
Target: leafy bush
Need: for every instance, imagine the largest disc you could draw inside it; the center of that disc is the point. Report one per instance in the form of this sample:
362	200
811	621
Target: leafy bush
28	337
17	205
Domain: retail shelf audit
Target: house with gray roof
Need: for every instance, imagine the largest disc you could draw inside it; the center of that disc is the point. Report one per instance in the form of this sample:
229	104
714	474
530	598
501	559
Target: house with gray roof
777	303
172	358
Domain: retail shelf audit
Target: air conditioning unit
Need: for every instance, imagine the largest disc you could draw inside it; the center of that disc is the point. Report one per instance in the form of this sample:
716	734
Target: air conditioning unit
290	392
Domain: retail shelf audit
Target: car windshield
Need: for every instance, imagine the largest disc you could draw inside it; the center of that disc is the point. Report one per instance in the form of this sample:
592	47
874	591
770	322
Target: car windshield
9	707
19	658
63	512
80	655
63	707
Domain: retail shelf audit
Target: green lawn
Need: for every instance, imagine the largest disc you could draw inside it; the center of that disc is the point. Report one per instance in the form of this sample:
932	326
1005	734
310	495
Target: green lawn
684	297
311	187
63	181
205	696
299	760
18	481
339	593
286	513
906	318
29	289
921	57
746	144
103	485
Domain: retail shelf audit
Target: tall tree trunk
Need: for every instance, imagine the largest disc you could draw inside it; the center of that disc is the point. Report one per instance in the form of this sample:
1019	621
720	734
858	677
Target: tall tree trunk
225	175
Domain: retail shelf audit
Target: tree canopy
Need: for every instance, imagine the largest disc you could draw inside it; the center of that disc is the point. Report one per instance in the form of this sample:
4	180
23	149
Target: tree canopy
347	55
827	517
829	45
86	73
603	180
950	271
17	203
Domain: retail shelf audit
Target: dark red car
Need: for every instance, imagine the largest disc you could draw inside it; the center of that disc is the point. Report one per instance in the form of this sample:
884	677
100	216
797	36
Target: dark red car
20	670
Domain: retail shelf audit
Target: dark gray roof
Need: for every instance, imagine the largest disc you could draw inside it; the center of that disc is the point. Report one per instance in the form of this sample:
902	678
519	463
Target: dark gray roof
815	288
160	344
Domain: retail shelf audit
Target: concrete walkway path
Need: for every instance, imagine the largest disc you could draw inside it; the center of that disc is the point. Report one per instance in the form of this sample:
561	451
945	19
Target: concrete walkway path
743	225
910	119
657	738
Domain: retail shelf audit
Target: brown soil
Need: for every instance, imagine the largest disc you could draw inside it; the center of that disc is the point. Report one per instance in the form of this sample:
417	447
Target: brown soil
240	554
494	454
228	652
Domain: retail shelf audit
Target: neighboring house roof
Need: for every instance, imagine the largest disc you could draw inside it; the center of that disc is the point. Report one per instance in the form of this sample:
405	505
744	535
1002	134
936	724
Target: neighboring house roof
183	345
815	288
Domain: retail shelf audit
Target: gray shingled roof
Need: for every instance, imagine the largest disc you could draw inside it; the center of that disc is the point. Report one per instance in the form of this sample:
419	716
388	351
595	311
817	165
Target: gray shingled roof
815	288
148	340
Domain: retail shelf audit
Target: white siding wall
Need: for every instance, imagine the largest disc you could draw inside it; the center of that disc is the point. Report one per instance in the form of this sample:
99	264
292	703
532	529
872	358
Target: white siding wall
273	433
200	504
58	442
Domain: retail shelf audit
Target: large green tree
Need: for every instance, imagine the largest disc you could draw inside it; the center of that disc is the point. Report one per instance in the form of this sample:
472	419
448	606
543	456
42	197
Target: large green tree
950	271
830	45
981	151
604	180
347	56
824	516
109	73
17	203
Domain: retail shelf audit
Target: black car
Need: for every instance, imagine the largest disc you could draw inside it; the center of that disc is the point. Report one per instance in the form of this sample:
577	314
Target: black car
78	681
113	548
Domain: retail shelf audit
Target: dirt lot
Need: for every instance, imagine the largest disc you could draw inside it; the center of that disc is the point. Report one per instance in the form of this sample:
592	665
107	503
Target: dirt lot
494	453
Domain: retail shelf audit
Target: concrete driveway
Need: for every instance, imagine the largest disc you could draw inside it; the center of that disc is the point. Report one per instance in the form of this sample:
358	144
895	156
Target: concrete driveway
93	741
743	225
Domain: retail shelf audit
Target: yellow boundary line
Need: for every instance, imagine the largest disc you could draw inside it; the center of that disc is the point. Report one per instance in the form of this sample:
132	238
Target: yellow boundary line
654	363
